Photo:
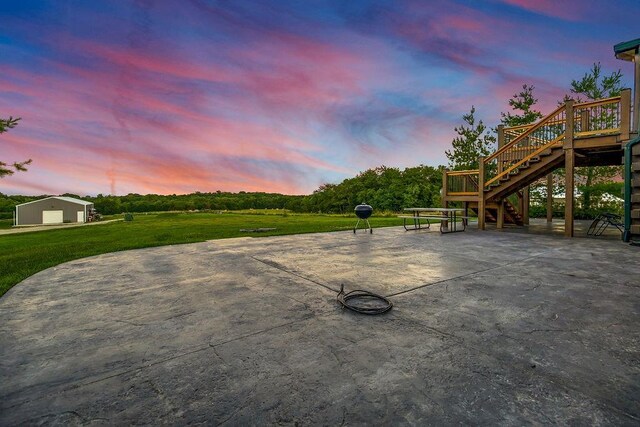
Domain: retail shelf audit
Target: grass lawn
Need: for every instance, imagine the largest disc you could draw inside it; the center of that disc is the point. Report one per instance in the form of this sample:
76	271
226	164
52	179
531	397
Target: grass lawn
24	254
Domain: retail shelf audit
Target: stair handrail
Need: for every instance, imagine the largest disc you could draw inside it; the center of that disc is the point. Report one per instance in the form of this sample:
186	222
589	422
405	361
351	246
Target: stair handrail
523	135
525	159
597	102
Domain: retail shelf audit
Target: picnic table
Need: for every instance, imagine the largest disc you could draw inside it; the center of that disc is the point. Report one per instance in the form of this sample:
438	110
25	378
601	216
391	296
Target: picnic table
445	216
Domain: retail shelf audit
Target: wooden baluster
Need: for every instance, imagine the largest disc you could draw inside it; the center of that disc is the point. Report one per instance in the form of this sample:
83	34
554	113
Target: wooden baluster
584	120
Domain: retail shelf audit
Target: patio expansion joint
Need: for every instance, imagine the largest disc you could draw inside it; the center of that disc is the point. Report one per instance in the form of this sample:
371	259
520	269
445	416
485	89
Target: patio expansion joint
286	270
438	282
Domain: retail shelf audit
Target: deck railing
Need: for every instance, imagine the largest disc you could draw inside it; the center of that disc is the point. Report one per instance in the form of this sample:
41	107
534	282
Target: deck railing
522	143
461	183
595	118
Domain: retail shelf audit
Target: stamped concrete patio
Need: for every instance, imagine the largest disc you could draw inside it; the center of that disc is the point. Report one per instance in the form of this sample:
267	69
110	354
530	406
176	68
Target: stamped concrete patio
488	328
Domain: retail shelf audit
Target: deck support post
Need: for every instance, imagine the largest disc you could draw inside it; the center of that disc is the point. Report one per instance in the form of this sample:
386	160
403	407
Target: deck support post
481	201
500	219
550	197
520	202
569	164
444	188
525	205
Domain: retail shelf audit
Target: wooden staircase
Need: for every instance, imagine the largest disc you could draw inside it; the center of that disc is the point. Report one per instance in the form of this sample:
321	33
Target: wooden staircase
511	214
591	133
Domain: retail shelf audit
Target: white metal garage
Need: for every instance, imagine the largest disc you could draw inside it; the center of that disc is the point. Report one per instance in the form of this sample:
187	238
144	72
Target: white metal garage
53	210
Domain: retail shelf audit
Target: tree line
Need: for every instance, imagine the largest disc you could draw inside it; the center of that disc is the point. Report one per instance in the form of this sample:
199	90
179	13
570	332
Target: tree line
386	188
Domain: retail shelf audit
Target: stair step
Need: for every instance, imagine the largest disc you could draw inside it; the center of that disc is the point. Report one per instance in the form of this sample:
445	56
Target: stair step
636	150
635	166
635	229
635	213
635	198
635	182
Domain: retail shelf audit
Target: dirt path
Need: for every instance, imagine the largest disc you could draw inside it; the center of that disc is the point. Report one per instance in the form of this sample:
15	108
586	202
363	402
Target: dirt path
28	229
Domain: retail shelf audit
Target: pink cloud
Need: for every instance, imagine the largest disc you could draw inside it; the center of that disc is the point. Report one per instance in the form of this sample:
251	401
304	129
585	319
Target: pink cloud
569	10
158	148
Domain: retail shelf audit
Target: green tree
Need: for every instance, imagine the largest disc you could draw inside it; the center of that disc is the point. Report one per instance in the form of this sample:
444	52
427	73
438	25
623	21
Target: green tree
5	125
523	103
594	85
473	141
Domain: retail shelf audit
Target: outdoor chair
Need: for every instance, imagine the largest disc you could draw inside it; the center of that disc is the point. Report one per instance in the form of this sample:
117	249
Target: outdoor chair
602	221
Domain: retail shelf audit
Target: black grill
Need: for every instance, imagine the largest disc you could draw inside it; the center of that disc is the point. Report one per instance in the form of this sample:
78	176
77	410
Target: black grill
363	212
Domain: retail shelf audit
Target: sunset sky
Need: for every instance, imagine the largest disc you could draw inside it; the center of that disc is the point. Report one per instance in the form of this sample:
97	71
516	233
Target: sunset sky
160	96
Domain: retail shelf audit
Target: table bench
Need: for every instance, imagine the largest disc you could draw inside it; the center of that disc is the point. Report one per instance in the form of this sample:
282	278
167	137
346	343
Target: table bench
447	215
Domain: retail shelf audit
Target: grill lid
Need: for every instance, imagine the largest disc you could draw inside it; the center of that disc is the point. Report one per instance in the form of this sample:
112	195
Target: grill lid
363	211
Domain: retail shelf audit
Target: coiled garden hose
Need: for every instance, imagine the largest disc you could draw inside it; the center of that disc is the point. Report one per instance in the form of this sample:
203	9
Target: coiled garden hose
363	302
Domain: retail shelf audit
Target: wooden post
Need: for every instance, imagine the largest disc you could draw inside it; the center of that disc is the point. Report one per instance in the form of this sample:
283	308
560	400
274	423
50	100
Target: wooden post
444	188
625	114
520	201
501	142
550	198
569	163
525	205
584	120
568	131
500	220
481	201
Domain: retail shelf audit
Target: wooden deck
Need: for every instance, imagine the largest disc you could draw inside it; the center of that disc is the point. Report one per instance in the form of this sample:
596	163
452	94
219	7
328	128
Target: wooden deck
574	135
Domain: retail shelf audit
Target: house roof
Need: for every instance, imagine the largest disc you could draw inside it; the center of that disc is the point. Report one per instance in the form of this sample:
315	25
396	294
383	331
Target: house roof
626	50
66	199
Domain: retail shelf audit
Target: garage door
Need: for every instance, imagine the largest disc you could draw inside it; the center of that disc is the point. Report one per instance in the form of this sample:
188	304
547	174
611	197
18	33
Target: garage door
52	217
